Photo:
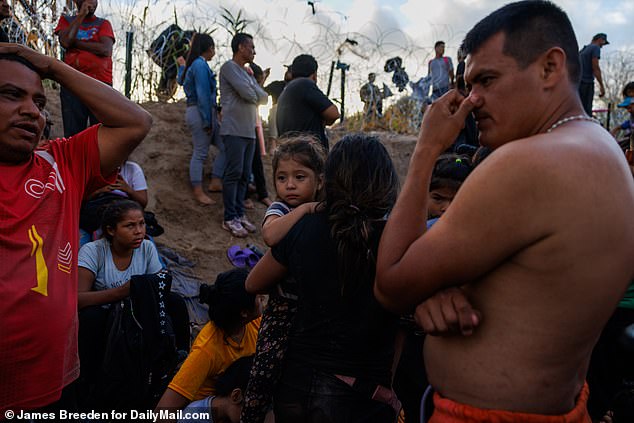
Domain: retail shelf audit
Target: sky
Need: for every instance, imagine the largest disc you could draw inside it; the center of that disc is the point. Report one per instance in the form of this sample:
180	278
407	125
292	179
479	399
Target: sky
382	29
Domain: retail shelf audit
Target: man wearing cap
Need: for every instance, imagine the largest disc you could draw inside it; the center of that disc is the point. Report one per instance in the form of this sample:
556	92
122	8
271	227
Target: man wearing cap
589	56
303	107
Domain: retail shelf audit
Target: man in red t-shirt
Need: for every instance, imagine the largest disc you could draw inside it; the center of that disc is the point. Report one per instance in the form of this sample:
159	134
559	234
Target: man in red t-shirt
88	42
41	190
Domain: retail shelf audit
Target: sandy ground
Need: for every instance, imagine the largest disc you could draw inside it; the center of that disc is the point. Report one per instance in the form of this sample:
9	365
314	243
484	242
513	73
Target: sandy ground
192	230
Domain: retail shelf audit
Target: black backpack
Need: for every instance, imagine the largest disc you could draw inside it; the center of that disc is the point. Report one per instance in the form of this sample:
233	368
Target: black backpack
140	358
170	44
400	77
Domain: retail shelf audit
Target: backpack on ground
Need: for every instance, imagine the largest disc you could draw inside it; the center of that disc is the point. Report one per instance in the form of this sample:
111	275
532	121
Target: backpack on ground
140	357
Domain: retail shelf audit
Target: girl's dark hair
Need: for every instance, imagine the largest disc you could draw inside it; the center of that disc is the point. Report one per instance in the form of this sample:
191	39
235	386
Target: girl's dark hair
200	44
304	149
113	213
450	171
235	377
361	187
227	298
628	87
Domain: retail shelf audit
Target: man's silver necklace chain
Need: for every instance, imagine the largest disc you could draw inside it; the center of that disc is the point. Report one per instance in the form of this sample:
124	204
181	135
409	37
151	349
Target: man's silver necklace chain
570	119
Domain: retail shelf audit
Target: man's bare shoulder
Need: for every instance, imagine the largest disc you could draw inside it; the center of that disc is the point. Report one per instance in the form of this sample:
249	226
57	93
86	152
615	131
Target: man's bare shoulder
583	150
542	179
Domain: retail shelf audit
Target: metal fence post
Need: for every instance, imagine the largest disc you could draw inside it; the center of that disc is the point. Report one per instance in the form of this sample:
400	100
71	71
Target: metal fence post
129	39
343	94
332	69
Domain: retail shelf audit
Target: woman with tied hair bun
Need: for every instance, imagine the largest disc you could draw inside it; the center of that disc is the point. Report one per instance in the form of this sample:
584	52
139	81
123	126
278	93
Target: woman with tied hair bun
341	345
230	334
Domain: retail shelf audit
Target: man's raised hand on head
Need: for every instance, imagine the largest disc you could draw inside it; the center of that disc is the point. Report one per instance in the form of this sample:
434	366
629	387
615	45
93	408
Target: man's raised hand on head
40	62
124	123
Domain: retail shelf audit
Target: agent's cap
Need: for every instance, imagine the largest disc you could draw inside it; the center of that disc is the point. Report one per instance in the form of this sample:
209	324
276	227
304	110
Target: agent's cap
601	35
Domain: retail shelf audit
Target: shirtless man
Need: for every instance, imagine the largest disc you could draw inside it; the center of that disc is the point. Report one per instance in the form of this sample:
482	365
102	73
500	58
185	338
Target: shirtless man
539	237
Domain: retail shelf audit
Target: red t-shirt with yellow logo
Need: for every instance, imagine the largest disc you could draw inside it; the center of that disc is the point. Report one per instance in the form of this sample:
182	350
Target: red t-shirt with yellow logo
39	242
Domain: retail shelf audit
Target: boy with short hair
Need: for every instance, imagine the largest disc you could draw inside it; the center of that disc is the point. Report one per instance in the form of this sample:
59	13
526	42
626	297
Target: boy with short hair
450	171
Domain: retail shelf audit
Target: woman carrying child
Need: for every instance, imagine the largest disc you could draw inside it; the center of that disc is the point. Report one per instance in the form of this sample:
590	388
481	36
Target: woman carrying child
298	166
338	365
231	333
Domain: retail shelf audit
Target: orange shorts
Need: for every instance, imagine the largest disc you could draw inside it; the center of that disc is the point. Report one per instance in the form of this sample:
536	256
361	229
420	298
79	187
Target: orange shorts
448	411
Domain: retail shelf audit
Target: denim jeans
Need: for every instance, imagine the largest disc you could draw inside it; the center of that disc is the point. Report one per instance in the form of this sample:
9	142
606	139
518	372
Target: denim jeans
308	395
75	115
200	145
239	157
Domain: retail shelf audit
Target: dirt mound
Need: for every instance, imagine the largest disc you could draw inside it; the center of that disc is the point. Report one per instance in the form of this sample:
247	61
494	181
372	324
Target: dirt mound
192	230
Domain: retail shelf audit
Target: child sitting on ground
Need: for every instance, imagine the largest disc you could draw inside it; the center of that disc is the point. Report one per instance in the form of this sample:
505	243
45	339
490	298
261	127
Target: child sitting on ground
130	183
298	165
230	334
226	405
105	269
